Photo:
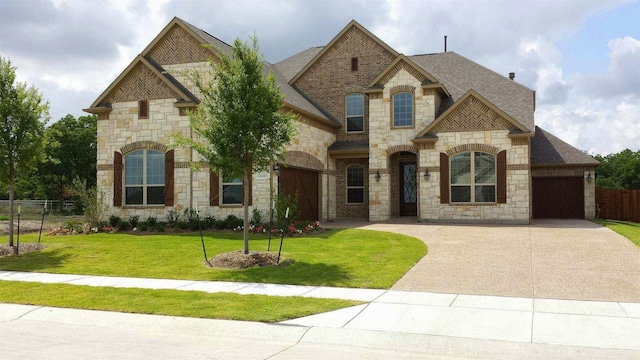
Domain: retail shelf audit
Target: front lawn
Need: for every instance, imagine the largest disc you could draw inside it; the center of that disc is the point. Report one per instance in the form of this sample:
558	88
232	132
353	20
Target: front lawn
627	229
339	257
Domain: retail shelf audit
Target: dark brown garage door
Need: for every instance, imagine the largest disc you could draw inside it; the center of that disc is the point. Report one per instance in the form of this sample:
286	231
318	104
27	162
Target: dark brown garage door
305	184
558	198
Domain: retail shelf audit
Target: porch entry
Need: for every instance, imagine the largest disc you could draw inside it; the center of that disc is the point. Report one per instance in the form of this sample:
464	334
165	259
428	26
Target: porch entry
408	189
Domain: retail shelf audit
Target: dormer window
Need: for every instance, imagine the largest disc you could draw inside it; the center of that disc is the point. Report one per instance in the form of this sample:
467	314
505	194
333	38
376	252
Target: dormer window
355	113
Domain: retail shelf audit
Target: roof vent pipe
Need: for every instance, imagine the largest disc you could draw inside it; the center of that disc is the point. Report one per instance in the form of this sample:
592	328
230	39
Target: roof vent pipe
445	43
512	75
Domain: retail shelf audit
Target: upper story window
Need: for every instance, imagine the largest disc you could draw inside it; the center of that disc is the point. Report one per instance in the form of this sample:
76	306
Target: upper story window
403	109
143	109
473	178
231	190
355	113
354	64
144	177
355	184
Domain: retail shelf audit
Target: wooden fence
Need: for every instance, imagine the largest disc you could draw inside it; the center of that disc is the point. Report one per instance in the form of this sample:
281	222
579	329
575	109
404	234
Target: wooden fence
618	204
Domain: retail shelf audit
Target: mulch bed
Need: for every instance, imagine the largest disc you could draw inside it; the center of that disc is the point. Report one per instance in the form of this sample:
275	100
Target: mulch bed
6	250
240	260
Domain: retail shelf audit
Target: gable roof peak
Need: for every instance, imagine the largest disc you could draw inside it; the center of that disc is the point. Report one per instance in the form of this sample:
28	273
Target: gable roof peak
352	24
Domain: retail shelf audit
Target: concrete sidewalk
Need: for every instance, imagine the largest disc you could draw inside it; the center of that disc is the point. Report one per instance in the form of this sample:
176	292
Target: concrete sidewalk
585	324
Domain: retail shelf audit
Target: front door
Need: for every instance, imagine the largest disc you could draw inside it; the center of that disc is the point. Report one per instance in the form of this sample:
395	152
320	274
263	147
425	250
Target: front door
408	190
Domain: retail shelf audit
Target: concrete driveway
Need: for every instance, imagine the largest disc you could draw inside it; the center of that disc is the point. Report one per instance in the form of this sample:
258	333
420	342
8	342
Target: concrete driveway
551	259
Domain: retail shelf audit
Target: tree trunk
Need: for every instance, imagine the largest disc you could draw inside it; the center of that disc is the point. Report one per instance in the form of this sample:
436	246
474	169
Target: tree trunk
10	185
245	202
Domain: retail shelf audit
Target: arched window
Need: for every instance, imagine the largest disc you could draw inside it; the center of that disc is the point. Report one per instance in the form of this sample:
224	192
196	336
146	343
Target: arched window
355	112
355	184
144	173
403	109
473	178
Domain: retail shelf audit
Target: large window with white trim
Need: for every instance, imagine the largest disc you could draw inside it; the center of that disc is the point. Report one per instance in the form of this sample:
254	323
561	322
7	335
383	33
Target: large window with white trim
355	184
144	177
403	109
473	178
355	112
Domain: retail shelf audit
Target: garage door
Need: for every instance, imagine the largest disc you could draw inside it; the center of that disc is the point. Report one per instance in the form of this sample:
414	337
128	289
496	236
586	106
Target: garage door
305	184
558	198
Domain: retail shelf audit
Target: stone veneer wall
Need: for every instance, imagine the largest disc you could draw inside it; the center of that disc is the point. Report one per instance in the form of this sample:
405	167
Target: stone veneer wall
385	141
123	128
518	206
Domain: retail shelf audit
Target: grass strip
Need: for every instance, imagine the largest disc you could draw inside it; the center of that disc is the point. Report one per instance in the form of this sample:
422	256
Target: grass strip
196	304
627	229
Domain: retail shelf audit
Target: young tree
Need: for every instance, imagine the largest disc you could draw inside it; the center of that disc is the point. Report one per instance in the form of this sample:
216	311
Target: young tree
240	126
23	116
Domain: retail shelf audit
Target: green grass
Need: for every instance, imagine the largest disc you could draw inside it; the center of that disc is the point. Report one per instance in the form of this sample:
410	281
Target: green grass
339	257
168	302
627	229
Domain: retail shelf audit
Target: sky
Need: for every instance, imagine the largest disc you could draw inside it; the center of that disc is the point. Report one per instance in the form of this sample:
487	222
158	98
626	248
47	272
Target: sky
581	57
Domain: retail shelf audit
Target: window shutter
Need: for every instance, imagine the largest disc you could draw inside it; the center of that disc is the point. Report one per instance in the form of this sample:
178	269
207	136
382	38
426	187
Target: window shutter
214	189
501	177
117	179
168	178
444	178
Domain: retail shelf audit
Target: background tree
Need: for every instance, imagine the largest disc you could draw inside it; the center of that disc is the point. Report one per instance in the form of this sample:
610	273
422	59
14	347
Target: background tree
240	126
70	153
619	171
23	116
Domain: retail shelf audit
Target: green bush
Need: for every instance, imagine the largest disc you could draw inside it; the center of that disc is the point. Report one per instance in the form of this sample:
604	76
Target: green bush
282	203
124	225
256	218
114	221
143	226
172	218
232	222
133	220
152	221
159	226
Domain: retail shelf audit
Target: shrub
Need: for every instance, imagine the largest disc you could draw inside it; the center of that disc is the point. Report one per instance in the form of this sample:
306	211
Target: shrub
143	226
124	225
114	221
282	203
172	218
256	218
133	220
159	226
152	221
232	222
209	222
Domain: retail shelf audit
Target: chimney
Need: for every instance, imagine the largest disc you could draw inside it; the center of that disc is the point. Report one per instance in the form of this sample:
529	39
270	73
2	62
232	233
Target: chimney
445	43
512	75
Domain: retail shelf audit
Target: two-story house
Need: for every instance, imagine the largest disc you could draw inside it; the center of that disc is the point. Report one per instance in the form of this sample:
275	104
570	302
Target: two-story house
381	135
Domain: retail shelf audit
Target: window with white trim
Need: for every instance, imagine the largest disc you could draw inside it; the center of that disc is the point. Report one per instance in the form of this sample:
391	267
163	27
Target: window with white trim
403	109
144	177
473	178
355	112
231	190
355	184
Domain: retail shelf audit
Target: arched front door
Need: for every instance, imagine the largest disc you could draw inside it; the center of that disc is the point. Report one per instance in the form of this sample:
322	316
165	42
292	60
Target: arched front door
408	189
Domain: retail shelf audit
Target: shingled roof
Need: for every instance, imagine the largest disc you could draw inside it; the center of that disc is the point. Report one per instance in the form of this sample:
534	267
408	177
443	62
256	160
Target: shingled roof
460	75
291	66
546	149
